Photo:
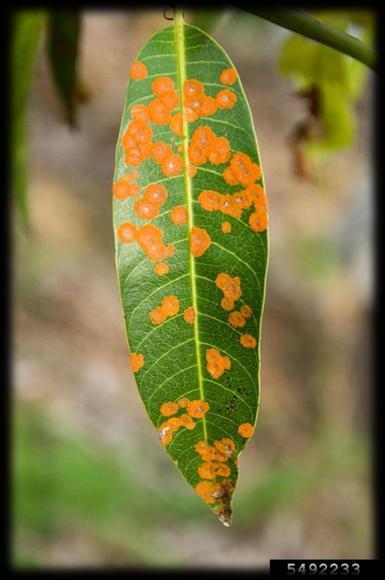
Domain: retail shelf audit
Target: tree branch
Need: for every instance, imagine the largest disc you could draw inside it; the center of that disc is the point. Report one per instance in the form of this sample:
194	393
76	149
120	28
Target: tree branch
305	24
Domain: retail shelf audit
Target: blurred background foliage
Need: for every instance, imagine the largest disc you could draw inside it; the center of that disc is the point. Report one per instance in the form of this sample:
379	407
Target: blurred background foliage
92	487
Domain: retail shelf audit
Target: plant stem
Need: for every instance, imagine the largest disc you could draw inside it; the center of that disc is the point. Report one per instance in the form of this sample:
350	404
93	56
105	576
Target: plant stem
305	24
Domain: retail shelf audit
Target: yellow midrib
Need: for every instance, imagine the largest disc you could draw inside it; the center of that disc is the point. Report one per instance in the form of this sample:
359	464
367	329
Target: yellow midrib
181	65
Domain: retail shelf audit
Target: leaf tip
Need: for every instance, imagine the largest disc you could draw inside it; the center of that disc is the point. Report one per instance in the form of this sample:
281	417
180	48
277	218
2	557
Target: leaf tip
224	515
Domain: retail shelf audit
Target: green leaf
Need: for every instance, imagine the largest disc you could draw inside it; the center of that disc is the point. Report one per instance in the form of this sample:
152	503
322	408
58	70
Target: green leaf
174	260
25	33
337	79
64	31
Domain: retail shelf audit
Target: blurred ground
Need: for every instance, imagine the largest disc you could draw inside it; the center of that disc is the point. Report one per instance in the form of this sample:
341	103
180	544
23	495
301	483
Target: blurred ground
92	486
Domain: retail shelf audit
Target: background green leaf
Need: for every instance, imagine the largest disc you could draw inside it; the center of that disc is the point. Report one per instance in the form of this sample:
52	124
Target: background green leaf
173	354
63	45
25	33
337	80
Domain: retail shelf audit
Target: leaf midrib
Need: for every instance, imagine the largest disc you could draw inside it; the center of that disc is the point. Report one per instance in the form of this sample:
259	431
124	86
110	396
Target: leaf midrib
181	74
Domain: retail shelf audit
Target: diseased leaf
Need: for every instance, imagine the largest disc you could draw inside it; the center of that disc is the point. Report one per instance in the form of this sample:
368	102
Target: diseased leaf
25	33
63	36
190	222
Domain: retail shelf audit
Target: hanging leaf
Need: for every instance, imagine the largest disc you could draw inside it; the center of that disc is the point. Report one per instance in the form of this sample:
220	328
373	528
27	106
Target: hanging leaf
63	35
190	224
25	33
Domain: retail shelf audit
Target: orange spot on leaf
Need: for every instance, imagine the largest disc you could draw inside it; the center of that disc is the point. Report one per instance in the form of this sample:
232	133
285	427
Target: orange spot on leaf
187	422
200	241
246	311
197	409
246	430
168	408
137	361
179	215
258	220
217	363
236	319
226	227
139	112
208	491
160	151
248	341
228	76
189	315
231	288
162	85
138	70
126	232
150	239
226	99
125	188
146	209
161	269
158	112
172	165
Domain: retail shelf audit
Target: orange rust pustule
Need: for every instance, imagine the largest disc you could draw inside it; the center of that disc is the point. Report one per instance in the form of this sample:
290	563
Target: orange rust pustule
217	363
138	70
187	421
165	434
136	142
137	361
168	408
226	99
162	85
209	452
213	470
183	402
176	124
170	99
189	315
160	151
161	269
226	227
242	170
231	205
179	215
208	491
248	341
124	187
158	113
139	112
258	220
245	430
126	232
156	193
197	408
168	308
236	319
150	239
228	76
231	288
172	165
207	146
225	446
145	209
200	241
246	311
